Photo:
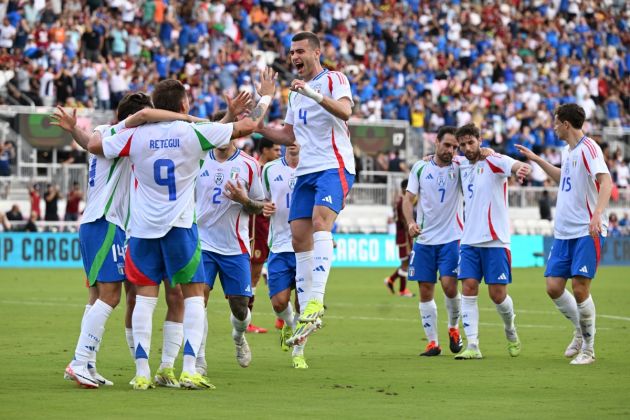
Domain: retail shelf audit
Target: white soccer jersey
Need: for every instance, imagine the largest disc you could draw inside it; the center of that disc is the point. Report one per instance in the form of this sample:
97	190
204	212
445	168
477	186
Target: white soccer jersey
323	138
108	184
278	182
223	225
486	216
577	195
165	160
439	205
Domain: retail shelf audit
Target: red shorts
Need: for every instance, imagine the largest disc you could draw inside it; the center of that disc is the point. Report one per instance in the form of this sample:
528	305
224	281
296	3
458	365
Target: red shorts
260	246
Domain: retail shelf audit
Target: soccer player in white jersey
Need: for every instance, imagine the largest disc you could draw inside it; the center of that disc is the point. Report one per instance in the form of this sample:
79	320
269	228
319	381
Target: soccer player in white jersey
580	227
228	191
279	178
485	244
164	240
320	103
438	229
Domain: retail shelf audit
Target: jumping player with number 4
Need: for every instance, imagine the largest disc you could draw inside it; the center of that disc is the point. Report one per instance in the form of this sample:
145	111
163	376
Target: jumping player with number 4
580	227
485	245
164	240
319	105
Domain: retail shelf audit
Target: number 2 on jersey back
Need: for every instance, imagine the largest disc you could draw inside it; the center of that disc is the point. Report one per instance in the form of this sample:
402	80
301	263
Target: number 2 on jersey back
169	179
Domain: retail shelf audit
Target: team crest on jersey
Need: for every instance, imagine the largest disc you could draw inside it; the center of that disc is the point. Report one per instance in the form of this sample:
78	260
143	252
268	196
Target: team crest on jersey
218	178
234	172
441	180
292	182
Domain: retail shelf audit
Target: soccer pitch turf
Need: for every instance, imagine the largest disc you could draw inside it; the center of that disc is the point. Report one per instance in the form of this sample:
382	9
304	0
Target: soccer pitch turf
363	364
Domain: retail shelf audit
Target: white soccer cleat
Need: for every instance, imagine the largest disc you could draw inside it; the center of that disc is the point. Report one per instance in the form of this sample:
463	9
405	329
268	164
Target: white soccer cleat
585	357
81	375
574	347
243	353
99	378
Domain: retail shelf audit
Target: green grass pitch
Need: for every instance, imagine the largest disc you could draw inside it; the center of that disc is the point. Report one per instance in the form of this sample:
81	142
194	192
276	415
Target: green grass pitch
363	364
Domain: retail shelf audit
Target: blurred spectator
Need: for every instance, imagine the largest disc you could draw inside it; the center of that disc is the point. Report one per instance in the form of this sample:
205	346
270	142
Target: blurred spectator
625	221
613	225
35	201
395	163
72	203
5	225
52	197
14	214
7	154
544	205
31	225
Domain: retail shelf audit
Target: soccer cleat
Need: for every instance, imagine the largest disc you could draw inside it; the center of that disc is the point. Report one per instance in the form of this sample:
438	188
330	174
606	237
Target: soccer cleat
469	354
574	347
302	331
406	293
99	378
514	347
285	334
314	310
257	330
166	377
455	340
142	383
299	362
194	381
432	349
279	324
81	375
390	285
243	353
585	357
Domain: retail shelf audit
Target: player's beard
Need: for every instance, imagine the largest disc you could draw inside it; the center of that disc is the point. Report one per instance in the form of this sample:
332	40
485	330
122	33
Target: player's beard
446	158
473	156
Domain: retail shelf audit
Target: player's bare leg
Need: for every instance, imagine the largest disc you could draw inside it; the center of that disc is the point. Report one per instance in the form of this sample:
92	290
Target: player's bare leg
567	305
256	274
402	275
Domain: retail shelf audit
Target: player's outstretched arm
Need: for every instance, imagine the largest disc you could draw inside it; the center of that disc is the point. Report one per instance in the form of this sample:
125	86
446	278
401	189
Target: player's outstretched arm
605	188
282	135
236	106
68	122
553	172
340	108
412	226
266	90
152	115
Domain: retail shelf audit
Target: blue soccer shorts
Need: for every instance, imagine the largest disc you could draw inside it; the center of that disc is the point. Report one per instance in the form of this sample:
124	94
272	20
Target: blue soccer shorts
102	250
493	265
281	272
234	272
426	260
574	257
327	188
176	256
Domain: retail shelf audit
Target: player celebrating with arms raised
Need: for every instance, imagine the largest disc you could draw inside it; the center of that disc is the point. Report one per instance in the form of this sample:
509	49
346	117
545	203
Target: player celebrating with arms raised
579	229
319	106
485	243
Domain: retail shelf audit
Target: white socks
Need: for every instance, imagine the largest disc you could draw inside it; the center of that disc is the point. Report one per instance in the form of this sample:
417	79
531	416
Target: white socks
322	259
92	328
239	327
506	310
586	310
428	315
287	315
567	305
194	313
201	365
172	336
303	277
470	319
453	309
142	322
129	337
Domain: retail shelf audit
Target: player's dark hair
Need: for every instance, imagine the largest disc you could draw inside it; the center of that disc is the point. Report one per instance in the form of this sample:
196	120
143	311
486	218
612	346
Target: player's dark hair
403	184
132	103
265	143
467	130
313	40
444	130
573	113
168	95
218	116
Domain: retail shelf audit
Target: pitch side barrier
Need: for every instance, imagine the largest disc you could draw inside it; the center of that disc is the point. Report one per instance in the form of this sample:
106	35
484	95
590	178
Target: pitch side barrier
62	250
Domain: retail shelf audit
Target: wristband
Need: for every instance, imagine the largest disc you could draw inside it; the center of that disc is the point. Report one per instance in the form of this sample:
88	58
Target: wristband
309	92
265	100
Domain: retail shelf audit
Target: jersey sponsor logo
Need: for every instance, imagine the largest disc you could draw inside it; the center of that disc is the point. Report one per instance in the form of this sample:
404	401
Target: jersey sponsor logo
248	288
319	268
584	270
234	172
327	199
502	276
205	173
218	178
278	178
429	176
